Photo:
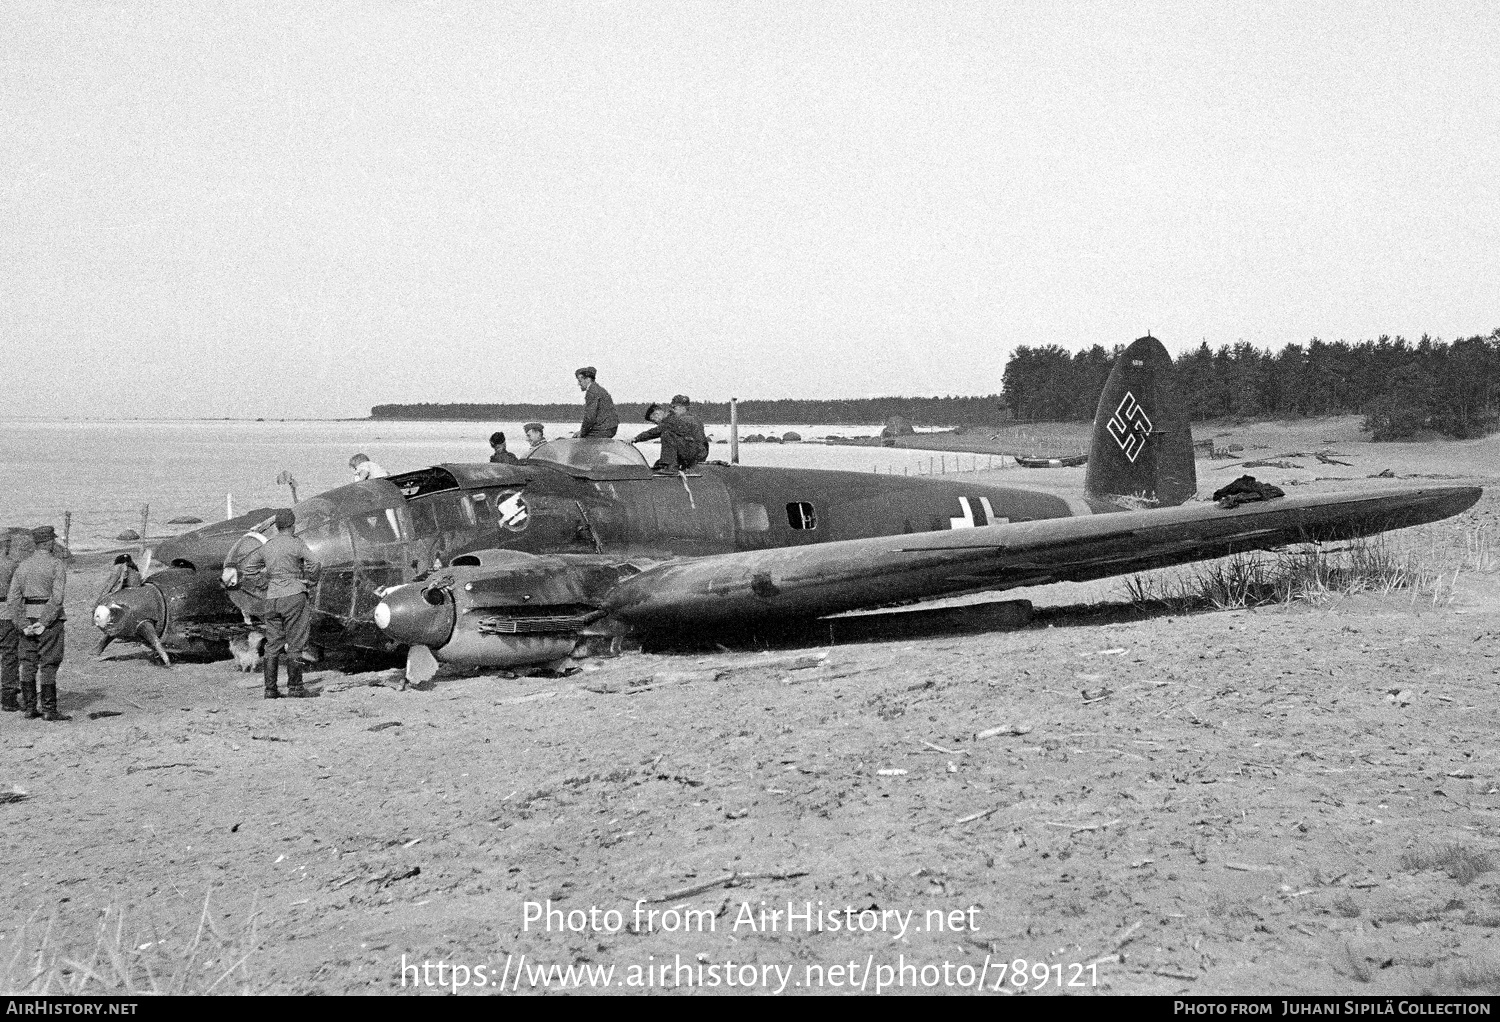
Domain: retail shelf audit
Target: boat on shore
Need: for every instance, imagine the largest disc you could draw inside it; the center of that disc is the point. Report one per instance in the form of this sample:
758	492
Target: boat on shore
1069	462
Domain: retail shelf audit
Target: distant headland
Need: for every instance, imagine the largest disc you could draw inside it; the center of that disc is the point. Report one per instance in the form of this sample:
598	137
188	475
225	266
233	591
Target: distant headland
928	411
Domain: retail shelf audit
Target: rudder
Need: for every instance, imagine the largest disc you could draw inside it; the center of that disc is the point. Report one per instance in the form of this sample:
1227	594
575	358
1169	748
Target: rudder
1142	447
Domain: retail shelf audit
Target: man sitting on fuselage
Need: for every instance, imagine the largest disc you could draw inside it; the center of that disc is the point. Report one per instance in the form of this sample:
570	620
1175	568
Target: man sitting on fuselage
684	445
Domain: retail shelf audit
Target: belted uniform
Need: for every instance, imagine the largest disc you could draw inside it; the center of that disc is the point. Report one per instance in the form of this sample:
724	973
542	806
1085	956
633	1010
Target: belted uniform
36	602
289	566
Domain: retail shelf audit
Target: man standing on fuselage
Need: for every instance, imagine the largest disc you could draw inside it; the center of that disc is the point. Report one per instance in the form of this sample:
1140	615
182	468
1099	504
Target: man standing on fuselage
600	420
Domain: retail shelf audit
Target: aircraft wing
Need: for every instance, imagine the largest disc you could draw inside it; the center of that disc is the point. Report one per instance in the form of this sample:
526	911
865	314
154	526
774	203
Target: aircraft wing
830	577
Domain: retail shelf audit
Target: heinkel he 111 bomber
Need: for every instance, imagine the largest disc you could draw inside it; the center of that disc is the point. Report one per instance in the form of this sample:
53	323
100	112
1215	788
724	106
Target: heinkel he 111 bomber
581	543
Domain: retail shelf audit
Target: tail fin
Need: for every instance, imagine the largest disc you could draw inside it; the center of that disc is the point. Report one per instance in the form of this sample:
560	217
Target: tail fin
1142	447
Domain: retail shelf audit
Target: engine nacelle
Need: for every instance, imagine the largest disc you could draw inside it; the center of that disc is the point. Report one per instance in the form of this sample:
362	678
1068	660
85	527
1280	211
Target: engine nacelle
500	609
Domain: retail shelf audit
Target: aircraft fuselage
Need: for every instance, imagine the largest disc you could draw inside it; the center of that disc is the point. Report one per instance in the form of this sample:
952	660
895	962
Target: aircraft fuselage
607	515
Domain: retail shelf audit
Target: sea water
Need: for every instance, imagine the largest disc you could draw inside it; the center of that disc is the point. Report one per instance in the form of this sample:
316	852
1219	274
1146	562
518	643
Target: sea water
105	472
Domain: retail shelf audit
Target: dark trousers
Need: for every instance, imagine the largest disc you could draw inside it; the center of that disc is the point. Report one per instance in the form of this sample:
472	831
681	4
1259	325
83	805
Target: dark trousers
678	455
40	656
10	661
288	621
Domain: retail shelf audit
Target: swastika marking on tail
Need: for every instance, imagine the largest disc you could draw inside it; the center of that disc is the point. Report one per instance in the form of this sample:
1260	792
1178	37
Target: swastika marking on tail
1129	426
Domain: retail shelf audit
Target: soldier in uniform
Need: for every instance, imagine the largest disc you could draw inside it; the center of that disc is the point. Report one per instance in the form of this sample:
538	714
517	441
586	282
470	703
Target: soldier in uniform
683	442
688	426
288	565
10	637
533	431
36	611
600	420
500	455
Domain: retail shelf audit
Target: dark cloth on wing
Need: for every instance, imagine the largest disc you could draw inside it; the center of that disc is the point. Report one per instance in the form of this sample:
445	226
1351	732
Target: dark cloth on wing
1246	490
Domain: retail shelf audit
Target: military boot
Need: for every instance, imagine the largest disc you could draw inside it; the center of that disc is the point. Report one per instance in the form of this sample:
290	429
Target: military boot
269	670
10	700
49	704
294	687
28	695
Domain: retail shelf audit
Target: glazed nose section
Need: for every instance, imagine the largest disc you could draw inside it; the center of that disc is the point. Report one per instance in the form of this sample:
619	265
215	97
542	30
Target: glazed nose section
415	617
122	613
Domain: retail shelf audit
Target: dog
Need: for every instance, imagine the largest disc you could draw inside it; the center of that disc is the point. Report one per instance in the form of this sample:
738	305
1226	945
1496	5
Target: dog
247	651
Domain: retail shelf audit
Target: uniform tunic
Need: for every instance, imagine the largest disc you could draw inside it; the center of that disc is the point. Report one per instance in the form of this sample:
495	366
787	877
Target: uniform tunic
504	458
599	416
10	635
7	572
287	561
36	597
36	590
683	442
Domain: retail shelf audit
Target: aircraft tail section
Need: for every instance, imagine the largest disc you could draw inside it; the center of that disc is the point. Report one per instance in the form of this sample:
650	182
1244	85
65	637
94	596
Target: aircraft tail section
1142	447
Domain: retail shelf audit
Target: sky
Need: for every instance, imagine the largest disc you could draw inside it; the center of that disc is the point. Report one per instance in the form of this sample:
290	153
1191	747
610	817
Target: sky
305	209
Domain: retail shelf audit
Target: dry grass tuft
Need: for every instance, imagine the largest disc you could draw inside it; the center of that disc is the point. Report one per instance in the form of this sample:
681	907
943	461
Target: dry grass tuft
127	958
1463	977
1347	907
1314	573
1460	862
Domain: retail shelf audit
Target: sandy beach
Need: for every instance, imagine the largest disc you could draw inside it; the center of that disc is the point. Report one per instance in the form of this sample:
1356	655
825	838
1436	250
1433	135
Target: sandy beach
1290	799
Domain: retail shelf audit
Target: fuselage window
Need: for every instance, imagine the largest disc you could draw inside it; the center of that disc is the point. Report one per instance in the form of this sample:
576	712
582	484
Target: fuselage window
423	520
483	511
454	515
800	515
378	527
752	518
329	543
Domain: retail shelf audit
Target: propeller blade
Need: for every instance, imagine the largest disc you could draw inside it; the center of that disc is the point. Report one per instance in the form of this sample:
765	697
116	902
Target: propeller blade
421	665
147	631
104	640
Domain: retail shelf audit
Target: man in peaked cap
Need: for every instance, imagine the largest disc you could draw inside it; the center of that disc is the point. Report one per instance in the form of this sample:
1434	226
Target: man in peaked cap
289	566
533	431
36	610
600	420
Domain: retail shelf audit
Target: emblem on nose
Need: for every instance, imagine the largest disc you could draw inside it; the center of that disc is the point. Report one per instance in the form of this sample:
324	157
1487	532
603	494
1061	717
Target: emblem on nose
513	512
